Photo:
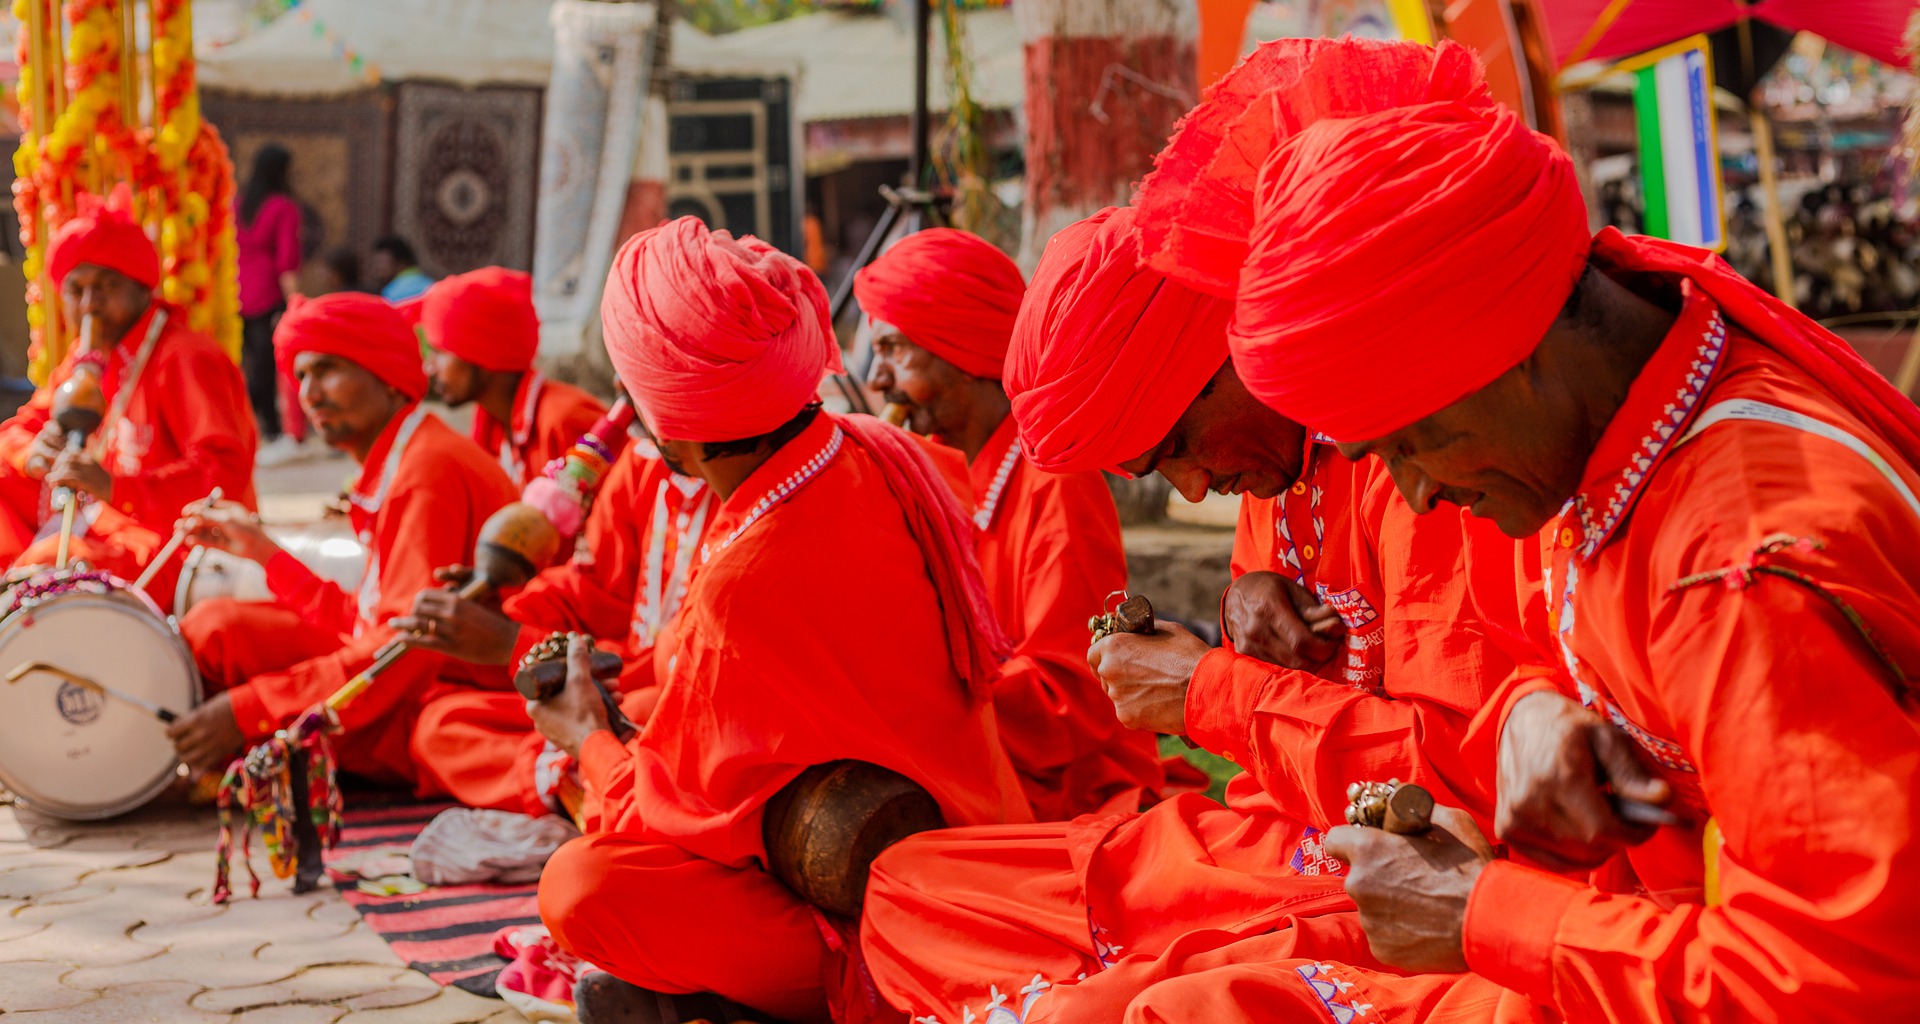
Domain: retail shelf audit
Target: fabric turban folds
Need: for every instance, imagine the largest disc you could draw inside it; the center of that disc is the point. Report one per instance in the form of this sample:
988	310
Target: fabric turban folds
105	235
361	329
1107	355
717	338
485	317
951	292
1402	261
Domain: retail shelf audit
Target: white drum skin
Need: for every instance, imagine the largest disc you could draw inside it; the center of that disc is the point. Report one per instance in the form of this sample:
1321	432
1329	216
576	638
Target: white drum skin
327	547
68	751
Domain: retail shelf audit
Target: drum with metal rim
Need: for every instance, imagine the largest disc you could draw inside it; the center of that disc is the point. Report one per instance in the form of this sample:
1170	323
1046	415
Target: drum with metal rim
68	750
328	547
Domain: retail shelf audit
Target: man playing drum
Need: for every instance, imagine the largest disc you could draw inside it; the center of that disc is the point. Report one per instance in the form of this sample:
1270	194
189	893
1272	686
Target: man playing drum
176	420
484	335
942	303
422	493
823	520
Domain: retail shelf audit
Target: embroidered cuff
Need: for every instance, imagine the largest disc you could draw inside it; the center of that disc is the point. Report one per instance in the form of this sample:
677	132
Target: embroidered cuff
600	756
251	714
289	578
1512	920
1220	702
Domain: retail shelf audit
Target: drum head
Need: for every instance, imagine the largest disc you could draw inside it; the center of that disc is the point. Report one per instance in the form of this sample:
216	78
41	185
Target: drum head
64	749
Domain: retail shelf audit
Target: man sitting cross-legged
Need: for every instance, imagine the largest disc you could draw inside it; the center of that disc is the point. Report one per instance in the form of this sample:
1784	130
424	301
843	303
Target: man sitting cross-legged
836	612
422	493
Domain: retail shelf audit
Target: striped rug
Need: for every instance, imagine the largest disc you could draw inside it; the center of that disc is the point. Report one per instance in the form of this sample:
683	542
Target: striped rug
445	933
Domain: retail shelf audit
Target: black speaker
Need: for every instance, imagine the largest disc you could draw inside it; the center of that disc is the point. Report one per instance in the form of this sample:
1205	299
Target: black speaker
732	156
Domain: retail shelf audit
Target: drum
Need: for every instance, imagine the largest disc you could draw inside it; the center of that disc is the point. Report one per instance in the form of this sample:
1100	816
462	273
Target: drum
65	749
328	547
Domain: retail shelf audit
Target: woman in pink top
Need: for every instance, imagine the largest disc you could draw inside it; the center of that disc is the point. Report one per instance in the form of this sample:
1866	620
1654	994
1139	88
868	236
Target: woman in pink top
268	233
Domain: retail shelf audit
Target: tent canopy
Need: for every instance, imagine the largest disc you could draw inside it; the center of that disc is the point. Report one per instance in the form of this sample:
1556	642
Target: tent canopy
1606	29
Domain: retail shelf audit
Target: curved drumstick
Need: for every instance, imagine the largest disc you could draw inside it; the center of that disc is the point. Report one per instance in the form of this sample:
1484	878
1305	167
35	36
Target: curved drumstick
23	670
172	545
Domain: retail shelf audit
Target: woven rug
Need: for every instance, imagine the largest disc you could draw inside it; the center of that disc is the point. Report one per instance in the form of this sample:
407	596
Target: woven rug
445	932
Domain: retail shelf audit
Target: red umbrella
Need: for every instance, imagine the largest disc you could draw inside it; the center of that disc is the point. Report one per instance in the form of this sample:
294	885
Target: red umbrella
1602	29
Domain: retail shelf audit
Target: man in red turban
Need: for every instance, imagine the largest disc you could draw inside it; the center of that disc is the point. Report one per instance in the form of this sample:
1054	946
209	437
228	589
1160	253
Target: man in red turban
484	334
1361	641
1729	500
722	343
942	304
177	423
422	493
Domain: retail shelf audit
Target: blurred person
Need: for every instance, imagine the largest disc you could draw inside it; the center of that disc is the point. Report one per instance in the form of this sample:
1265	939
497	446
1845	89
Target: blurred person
267	231
396	274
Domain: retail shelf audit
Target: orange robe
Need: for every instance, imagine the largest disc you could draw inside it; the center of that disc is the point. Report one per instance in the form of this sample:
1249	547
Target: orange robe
186	428
954	917
781	658
621	586
418	504
548	417
1050	551
1739	596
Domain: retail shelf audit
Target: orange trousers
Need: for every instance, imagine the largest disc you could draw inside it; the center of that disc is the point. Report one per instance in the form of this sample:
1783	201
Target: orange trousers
659	917
479	747
234	642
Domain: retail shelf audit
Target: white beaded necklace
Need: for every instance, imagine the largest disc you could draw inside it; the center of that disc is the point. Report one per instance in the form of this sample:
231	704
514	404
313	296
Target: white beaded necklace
983	517
781	492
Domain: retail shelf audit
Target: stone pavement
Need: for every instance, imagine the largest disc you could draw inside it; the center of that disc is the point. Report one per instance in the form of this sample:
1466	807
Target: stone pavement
110	922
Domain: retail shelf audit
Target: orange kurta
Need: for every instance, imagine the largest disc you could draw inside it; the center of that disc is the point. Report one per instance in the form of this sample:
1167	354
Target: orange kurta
1763	704
952	917
186	428
780	658
548	417
1050	551
621	586
417	505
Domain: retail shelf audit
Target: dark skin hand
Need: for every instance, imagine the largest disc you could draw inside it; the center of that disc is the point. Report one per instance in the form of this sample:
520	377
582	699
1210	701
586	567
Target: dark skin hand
1558	762
78	471
577	711
47	446
468	630
1412	891
208	737
1278	621
1147	675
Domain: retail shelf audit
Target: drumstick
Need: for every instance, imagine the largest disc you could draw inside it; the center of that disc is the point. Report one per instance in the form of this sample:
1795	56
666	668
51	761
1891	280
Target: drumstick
21	671
172	545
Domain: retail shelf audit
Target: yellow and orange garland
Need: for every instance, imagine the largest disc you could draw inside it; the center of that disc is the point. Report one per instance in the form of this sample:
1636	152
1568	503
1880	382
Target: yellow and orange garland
178	167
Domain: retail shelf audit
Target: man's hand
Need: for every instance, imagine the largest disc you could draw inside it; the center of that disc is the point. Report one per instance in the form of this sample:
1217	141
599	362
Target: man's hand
208	737
1147	676
577	711
78	471
1412	890
1559	766
228	526
467	630
1270	617
46	447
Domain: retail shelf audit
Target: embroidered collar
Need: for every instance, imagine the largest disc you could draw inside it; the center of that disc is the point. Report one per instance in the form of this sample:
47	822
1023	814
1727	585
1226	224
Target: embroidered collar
992	469
779	478
384	461
1663	400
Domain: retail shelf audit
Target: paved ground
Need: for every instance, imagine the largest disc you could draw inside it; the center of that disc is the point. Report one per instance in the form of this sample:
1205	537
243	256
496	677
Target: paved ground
110	923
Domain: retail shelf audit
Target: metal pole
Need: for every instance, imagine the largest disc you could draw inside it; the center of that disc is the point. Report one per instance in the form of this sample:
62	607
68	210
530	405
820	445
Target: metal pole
917	126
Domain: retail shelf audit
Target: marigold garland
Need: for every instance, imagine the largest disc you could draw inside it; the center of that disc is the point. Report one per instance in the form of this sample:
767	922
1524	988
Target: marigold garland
177	164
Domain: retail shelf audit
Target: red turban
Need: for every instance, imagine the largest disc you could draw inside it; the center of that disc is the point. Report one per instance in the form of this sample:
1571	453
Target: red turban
1107	354
950	292
1402	261
359	328
485	317
716	338
104	234
1196	208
